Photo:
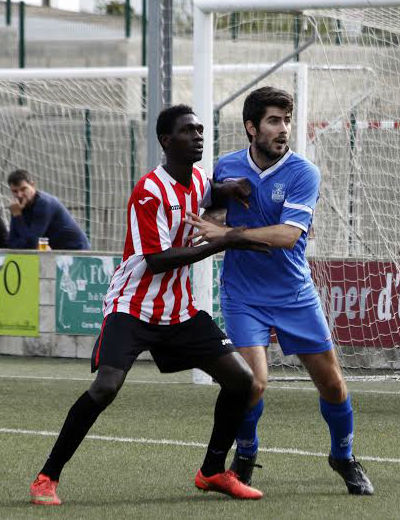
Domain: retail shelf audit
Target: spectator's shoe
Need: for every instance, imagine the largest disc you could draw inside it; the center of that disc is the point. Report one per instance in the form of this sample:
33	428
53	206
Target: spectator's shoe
243	467
43	491
353	474
227	483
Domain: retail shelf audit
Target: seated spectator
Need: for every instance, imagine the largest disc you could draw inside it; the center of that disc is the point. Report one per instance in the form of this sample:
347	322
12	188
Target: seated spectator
3	235
37	214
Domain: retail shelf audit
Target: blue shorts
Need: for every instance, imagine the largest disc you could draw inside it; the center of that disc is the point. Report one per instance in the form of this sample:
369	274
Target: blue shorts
300	329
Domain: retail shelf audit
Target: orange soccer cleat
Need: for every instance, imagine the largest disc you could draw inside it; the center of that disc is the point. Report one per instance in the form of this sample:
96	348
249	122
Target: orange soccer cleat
227	483
43	491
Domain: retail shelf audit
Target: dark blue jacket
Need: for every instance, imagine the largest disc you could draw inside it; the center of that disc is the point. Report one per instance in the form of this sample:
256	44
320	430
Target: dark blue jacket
46	217
3	234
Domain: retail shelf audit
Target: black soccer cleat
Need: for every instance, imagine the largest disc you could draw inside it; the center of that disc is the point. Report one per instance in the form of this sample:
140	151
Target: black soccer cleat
353	474
243	467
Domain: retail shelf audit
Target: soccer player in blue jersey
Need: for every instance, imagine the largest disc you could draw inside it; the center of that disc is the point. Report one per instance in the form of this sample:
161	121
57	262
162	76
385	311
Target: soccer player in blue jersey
260	291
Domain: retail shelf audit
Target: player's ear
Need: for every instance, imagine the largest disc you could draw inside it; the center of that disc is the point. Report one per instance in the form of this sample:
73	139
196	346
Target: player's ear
165	140
251	129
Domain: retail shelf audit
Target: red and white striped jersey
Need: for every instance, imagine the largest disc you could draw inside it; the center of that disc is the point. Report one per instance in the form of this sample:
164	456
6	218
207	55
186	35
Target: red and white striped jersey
156	210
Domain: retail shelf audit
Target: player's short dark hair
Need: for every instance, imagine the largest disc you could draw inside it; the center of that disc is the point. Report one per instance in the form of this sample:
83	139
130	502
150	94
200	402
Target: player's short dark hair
168	116
18	176
257	102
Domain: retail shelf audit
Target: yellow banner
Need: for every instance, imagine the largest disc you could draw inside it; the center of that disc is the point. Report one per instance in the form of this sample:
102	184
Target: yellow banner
19	295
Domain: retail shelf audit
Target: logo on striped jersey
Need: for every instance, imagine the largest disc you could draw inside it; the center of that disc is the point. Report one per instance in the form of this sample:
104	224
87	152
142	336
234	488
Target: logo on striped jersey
143	201
175	207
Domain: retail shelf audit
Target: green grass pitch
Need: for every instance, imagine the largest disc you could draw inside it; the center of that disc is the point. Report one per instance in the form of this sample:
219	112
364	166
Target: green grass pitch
145	450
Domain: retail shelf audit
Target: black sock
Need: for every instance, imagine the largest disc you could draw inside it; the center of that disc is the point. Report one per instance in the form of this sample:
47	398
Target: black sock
229	412
79	420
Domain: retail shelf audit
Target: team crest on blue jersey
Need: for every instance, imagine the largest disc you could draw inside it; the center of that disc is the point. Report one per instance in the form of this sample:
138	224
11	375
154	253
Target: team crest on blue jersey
278	192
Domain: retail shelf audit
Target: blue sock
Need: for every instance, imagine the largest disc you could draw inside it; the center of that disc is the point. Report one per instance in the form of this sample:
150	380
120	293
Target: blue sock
340	421
247	439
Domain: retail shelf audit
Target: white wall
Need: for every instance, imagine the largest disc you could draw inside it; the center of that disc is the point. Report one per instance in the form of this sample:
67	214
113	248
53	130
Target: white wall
29	2
68	5
88	6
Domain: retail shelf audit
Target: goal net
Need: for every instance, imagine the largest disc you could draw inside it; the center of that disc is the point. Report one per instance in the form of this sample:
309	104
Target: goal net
82	134
78	132
352	133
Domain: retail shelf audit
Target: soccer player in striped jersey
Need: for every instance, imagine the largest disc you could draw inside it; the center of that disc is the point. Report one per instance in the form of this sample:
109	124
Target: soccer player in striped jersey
260	291
149	306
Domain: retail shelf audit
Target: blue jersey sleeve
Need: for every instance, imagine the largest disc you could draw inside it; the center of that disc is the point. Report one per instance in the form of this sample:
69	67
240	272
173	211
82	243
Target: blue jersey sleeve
217	172
301	198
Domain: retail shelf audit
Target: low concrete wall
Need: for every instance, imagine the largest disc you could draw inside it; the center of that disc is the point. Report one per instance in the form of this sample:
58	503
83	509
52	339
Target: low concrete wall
49	343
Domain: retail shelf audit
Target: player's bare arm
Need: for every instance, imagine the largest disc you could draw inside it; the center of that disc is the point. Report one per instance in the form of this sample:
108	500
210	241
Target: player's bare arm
178	256
210	232
222	238
280	235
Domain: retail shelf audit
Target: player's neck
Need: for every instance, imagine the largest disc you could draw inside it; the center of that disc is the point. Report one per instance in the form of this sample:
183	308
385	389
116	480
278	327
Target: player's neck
182	173
263	160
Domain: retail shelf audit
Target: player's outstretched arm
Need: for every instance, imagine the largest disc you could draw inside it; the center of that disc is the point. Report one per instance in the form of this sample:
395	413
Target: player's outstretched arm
224	238
178	256
210	232
278	236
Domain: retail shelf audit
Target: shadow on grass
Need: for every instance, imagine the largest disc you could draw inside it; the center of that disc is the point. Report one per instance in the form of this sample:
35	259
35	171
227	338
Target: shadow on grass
133	502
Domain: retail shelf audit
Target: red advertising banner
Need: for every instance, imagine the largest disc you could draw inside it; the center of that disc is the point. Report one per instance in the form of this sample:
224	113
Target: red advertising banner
361	301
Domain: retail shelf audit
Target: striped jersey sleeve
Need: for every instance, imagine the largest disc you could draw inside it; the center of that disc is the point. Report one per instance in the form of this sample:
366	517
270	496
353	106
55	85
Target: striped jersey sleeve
203	187
148	221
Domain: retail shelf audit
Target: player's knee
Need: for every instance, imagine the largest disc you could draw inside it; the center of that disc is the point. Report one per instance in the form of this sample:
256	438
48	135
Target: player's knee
257	391
106	387
335	391
245	381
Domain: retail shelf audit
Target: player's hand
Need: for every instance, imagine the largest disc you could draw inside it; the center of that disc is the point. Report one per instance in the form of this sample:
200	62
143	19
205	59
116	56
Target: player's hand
16	207
231	237
207	231
238	189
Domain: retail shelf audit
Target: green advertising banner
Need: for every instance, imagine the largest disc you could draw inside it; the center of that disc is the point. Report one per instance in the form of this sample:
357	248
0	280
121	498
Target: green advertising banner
81	283
19	295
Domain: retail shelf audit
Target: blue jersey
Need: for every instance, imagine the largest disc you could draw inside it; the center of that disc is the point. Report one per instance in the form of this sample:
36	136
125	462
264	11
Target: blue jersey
285	193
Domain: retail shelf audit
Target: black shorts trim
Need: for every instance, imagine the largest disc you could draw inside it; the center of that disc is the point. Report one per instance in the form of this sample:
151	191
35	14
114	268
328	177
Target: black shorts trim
173	347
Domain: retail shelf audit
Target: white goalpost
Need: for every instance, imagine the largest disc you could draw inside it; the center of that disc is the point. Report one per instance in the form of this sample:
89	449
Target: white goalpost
347	121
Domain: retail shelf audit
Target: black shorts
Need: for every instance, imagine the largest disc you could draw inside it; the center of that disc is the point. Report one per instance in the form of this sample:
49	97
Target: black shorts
173	347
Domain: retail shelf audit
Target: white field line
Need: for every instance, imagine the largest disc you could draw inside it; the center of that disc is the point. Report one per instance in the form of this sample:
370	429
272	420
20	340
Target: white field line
143	382
352	390
170	442
91	379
